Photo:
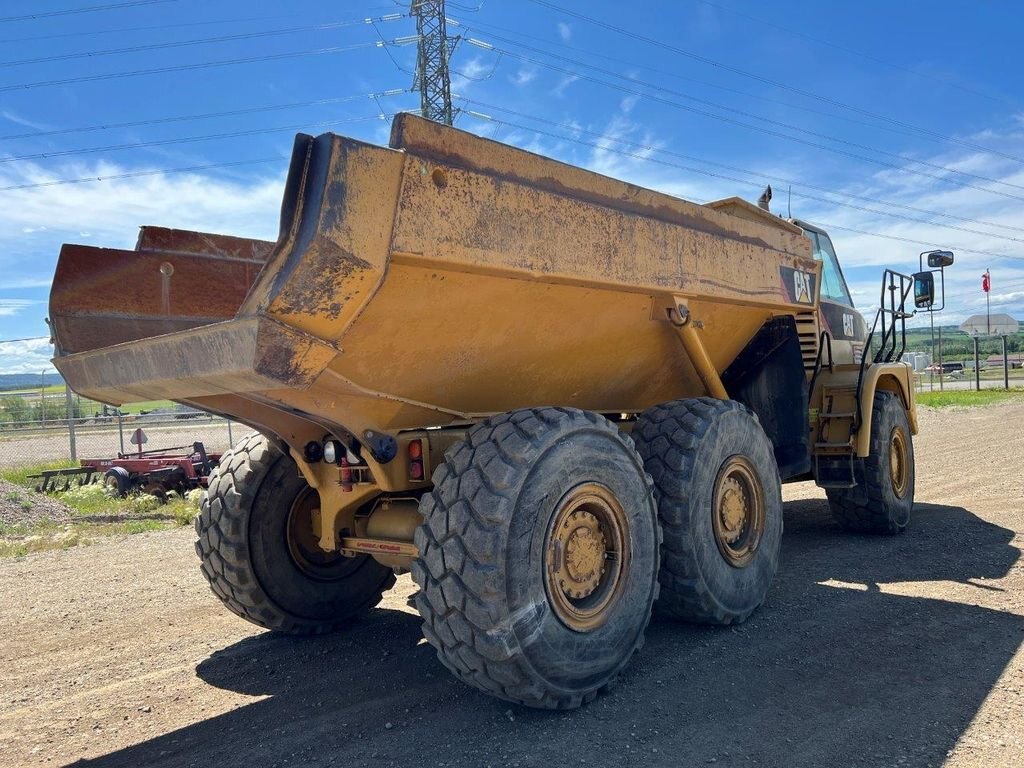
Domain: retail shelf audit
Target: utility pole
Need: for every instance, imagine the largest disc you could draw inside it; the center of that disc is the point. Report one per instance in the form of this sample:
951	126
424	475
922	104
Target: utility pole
432	79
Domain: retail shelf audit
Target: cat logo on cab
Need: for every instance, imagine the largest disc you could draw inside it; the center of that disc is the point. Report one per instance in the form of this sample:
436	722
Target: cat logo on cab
802	284
798	285
847	325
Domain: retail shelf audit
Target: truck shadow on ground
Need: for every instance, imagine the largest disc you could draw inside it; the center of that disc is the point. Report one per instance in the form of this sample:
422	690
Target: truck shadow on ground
835	669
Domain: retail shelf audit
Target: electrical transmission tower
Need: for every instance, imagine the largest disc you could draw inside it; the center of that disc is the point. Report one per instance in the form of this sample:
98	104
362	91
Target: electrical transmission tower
432	79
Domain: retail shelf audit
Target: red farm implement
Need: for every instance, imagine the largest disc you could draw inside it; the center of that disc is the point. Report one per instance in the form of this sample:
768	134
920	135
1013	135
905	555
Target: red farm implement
157	472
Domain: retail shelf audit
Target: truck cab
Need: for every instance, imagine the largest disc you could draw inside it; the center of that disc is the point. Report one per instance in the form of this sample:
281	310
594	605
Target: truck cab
837	315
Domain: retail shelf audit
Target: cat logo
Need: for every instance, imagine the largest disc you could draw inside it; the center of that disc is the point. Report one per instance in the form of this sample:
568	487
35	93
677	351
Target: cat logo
798	285
802	287
847	325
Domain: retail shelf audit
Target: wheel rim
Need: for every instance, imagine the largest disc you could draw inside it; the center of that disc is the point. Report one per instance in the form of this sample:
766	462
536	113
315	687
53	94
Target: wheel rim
303	545
899	462
111	485
738	511
586	556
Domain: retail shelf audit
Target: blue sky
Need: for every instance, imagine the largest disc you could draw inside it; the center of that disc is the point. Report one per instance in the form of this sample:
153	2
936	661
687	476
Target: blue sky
897	119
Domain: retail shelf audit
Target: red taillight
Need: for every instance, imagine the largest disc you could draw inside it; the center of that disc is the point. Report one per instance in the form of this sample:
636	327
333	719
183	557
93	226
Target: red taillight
344	474
415	451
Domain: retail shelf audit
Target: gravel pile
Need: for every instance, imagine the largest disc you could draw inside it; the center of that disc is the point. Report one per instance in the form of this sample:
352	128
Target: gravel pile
21	506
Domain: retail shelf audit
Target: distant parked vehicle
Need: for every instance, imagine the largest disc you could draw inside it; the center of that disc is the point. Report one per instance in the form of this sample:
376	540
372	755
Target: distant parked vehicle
944	367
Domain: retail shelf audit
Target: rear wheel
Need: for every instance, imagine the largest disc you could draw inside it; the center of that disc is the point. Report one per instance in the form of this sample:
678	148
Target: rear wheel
720	504
117	481
260	555
538	556
883	498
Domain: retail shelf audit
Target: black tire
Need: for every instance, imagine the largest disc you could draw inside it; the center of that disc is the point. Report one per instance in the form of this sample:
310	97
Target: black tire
483	577
879	503
246	555
686	445
117	481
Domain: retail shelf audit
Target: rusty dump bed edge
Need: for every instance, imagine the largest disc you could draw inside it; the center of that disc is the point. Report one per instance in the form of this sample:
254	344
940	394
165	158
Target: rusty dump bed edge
441	278
173	280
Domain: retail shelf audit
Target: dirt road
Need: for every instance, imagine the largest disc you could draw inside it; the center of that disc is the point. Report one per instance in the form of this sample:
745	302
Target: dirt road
869	652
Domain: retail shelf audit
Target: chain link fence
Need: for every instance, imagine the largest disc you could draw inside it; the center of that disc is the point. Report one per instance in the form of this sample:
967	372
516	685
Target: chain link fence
56	431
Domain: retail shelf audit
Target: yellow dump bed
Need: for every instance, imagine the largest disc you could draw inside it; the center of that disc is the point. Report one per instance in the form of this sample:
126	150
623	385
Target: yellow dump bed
442	278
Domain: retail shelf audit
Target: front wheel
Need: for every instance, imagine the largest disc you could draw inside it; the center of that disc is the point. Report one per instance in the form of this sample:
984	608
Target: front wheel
538	556
882	499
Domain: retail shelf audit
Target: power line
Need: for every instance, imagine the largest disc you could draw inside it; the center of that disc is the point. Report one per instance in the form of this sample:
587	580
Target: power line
191	139
204	41
645	157
761	178
134	174
89	9
760	78
144	28
818	40
209	64
754	116
678	76
204	116
155	172
785	181
30	338
758	128
829	227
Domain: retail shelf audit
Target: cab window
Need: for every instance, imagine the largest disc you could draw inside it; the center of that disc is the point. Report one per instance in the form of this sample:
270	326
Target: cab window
833	286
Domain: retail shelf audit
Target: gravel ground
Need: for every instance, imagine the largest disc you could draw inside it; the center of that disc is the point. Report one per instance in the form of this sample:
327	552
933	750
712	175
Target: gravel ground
20	506
902	651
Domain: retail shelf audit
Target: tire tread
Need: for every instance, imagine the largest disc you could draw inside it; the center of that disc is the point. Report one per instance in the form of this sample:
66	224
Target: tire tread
222	542
462	543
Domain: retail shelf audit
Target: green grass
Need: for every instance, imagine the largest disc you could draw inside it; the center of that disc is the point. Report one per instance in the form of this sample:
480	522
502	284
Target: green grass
94	514
968	398
19	475
89	407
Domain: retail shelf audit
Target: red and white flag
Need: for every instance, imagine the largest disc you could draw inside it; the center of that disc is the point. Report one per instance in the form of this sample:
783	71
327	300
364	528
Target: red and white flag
986	282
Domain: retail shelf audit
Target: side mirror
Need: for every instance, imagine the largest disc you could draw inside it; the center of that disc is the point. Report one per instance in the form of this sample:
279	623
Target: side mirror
939	260
924	287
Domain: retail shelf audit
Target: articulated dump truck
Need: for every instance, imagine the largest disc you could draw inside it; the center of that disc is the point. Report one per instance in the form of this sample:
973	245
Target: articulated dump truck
558	399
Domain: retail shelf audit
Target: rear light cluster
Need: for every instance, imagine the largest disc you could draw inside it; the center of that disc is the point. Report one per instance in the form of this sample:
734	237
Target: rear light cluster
344	474
416	471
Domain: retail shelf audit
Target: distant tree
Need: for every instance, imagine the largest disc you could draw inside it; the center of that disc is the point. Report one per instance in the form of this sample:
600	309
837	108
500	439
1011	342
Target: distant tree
14	409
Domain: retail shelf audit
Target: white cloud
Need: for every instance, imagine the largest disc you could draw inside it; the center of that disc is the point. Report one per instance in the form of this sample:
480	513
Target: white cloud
563	84
109	214
523	77
20	283
628	103
35	222
17	119
472	71
564	31
30	356
612	157
11	307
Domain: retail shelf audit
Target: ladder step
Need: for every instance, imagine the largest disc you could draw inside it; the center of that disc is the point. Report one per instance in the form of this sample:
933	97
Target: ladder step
832	471
836	483
841	415
834	445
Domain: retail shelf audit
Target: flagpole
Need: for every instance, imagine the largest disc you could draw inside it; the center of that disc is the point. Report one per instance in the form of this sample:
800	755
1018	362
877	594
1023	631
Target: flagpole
986	286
